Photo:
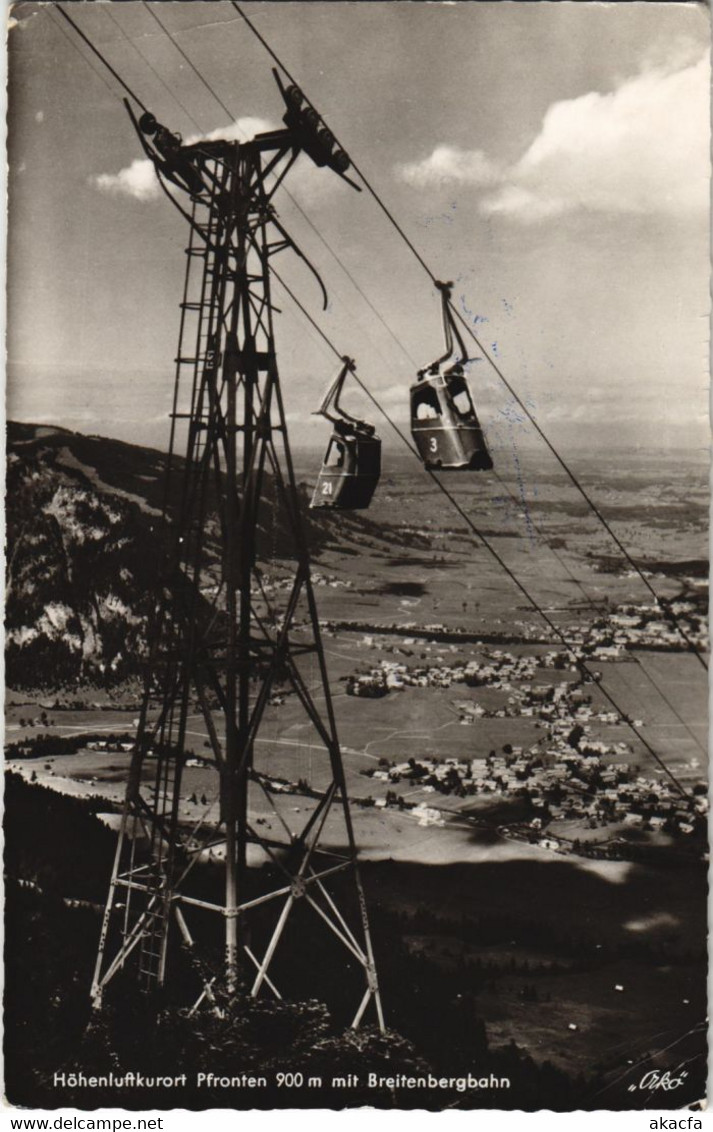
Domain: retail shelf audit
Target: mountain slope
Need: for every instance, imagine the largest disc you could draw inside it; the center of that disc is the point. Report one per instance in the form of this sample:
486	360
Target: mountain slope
77	571
84	532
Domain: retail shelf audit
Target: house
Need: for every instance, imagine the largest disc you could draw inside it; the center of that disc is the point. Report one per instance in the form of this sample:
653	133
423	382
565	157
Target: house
630	818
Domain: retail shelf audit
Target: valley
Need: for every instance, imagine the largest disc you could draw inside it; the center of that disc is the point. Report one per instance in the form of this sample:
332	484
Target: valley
500	784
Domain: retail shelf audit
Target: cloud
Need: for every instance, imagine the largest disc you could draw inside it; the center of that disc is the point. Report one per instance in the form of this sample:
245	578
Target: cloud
243	129
139	180
642	148
394	395
451	165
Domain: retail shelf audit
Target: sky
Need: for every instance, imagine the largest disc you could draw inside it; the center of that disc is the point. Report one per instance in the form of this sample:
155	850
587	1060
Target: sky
551	159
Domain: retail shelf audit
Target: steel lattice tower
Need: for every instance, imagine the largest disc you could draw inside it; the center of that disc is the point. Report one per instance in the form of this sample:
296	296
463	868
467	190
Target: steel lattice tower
225	633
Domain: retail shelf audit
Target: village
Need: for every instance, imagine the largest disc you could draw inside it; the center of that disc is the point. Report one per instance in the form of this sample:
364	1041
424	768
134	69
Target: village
575	786
609	636
561	783
568	775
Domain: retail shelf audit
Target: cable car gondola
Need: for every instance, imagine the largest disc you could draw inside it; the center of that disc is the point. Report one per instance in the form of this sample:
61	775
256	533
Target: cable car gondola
352	464
444	423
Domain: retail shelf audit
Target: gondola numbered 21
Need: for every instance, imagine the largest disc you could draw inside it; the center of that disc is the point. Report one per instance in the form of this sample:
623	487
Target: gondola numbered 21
352	464
444	423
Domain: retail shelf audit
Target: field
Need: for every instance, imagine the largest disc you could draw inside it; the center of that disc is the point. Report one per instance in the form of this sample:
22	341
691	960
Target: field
413	586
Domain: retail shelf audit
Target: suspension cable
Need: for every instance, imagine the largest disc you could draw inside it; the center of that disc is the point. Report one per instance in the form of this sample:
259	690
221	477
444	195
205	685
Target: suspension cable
99	56
165	31
581	664
88	61
191	64
660	601
290	196
151	67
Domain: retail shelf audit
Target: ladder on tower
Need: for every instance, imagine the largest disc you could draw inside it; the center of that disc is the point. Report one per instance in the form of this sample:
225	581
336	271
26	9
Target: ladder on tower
213	646
196	362
196	368
155	876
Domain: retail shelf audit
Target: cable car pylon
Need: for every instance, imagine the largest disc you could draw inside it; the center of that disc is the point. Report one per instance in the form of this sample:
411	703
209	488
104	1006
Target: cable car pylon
232	635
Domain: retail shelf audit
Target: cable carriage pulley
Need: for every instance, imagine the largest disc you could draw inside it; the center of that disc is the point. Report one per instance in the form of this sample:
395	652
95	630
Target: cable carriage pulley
352	463
313	135
168	156
186	167
444	423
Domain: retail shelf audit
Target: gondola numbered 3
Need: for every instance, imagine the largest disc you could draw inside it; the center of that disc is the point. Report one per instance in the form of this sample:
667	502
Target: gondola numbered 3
444	423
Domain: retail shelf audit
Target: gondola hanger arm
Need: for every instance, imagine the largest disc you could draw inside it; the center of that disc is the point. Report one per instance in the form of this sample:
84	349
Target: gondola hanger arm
448	319
450	331
332	410
330	402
